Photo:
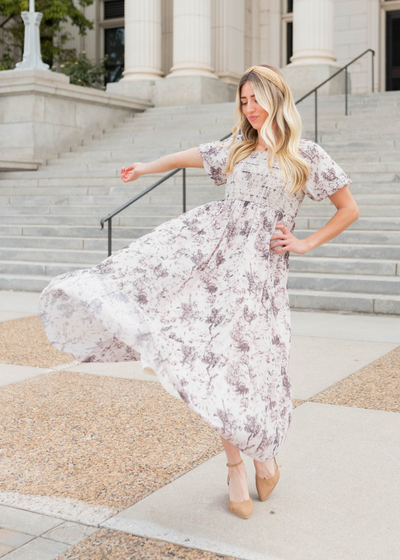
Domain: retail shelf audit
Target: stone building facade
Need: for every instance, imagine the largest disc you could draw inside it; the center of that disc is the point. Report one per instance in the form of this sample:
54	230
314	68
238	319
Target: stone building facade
219	39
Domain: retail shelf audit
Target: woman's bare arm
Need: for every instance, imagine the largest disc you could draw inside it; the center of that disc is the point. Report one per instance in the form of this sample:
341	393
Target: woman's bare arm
186	158
347	213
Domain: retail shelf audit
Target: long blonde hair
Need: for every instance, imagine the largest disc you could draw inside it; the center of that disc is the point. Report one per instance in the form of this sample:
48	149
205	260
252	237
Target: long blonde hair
281	131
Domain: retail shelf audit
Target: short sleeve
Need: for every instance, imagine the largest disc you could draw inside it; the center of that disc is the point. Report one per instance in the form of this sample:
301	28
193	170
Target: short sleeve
326	176
215	158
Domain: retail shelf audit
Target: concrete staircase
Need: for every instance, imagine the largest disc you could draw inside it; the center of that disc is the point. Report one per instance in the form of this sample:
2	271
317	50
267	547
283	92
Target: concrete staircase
49	218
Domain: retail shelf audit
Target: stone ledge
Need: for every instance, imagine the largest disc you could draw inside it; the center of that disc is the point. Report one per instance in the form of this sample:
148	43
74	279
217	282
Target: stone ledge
49	83
15	165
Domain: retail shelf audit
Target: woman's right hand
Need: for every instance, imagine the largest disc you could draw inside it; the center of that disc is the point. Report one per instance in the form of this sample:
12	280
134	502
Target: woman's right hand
132	172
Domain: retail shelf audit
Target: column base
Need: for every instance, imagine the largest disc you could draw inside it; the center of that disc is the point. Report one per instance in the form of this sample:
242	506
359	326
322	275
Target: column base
188	90
303	78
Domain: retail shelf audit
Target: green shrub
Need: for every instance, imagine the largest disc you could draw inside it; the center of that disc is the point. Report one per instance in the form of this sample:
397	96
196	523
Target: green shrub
83	72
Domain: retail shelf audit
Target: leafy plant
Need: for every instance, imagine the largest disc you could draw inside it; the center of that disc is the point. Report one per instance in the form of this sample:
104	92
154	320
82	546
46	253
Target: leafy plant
83	72
53	36
7	62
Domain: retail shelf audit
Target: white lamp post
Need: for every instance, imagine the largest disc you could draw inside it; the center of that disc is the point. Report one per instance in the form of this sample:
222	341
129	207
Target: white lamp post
32	58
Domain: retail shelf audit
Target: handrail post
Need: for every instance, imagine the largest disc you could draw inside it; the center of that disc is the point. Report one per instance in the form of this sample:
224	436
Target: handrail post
184	189
345	91
373	58
316	117
109	237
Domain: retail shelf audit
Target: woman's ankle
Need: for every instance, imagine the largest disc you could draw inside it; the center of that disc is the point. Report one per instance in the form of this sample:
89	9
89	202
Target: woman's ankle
265	469
238	489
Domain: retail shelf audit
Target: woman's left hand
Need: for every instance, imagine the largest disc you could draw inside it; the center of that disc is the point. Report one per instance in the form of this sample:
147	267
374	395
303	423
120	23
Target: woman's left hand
288	242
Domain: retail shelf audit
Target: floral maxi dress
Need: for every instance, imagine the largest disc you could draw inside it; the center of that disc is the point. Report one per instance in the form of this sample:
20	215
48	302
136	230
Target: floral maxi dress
203	300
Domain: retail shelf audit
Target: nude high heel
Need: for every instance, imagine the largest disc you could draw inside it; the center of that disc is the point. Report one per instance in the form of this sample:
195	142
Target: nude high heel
266	485
241	509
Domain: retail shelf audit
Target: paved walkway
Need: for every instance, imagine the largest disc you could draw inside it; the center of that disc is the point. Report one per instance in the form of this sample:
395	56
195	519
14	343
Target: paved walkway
98	461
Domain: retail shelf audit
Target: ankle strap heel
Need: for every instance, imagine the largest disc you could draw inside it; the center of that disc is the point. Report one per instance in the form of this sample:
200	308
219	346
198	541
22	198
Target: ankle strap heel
241	509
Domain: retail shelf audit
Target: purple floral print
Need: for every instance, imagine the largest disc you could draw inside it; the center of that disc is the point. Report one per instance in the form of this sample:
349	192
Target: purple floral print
203	300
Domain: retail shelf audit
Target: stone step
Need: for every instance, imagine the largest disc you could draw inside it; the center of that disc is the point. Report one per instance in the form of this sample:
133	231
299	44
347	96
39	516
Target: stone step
344	302
71	231
356	250
373	284
366	210
122	154
317	209
314	264
82	257
84	220
152	220
55	167
64	178
22	282
197	186
357	145
157	198
346	136
94	210
38	268
111	202
69	243
223	127
371	223
358	236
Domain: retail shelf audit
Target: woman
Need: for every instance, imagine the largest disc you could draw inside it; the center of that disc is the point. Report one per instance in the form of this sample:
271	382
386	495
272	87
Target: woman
202	299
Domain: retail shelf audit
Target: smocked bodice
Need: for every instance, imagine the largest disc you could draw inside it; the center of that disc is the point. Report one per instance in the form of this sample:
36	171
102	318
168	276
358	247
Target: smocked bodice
252	180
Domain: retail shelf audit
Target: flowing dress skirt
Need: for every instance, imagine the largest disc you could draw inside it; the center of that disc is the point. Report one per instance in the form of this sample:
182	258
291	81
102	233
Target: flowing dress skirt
203	301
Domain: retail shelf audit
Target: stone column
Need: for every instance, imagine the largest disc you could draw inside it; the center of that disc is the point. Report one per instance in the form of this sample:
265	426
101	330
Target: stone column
313	32
228	35
192	39
142	40
313	59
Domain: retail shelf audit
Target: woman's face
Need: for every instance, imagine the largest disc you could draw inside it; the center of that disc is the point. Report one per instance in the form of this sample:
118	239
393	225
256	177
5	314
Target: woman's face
254	113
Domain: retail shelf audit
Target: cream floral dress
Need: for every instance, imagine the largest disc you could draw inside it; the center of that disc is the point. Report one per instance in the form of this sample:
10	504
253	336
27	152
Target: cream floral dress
202	300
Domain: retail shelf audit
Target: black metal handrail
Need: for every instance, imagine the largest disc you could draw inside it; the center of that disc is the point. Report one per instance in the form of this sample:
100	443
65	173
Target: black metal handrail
109	218
345	87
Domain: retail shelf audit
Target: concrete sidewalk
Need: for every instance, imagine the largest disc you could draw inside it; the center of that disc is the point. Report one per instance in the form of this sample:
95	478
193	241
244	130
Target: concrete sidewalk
128	470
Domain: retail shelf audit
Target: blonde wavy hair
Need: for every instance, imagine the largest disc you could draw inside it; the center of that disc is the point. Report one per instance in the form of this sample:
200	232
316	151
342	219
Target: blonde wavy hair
281	131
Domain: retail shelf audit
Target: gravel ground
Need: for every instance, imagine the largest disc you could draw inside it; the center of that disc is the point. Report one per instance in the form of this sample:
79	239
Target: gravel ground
101	440
23	343
107	544
375	386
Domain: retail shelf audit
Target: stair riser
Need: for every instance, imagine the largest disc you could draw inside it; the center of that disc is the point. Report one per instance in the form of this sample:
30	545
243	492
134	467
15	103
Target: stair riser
354	251
33	269
93	210
349	236
343	304
136	221
71	231
27	284
366	211
156	198
370	224
83	258
373	286
370	268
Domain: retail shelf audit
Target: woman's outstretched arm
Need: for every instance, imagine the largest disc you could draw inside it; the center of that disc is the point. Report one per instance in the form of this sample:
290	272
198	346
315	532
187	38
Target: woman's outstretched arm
186	158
